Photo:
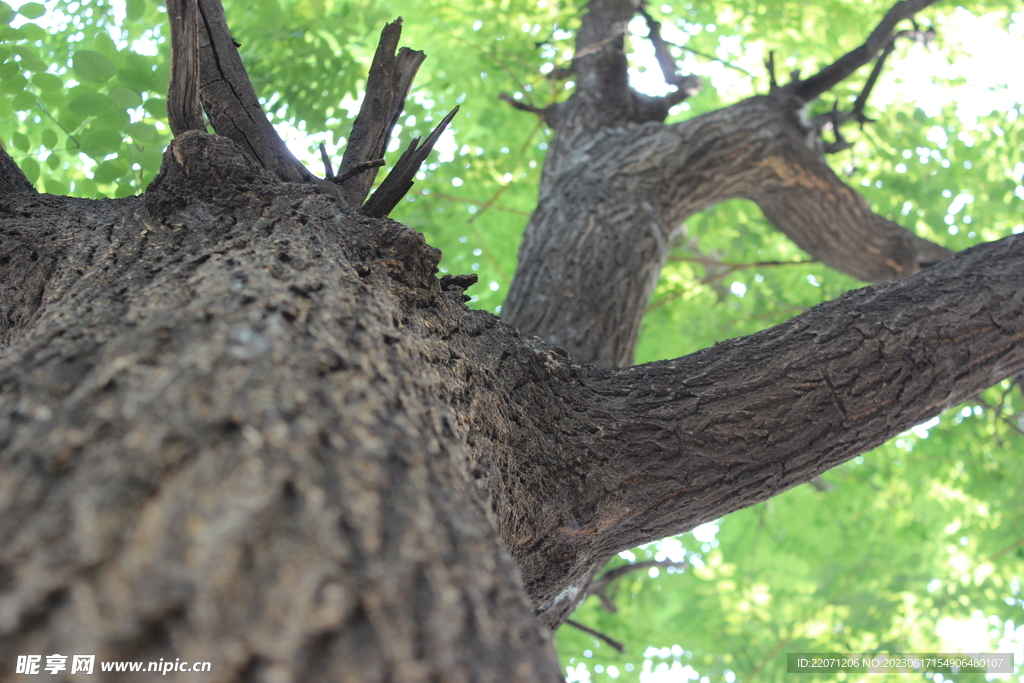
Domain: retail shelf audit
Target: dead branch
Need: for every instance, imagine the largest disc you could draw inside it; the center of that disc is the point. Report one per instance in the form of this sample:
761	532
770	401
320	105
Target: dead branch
230	100
184	111
387	87
399	181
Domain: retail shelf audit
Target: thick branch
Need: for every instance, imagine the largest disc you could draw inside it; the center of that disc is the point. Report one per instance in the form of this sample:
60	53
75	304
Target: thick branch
843	67
184	111
230	100
657	449
387	87
12	179
606	219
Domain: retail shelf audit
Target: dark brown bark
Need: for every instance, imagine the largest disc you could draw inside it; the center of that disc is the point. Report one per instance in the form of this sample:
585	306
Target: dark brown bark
230	101
184	110
387	87
227	433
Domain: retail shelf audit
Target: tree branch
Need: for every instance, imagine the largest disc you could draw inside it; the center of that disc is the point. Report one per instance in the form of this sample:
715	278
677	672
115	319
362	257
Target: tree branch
184	111
597	634
387	87
548	114
230	100
695	438
687	85
843	67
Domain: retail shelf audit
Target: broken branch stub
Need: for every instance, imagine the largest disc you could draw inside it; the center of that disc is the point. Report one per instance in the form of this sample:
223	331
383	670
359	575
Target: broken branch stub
387	86
12	179
399	181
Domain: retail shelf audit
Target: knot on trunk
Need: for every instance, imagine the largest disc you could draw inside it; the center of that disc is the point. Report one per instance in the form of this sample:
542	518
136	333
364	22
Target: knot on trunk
200	167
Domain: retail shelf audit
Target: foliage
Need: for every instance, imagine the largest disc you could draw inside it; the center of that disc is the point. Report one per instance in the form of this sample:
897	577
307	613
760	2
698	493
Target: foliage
924	530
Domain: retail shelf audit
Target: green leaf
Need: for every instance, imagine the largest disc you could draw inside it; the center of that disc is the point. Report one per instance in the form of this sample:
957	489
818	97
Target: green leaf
9	69
24	100
142	133
90	104
135	9
30	167
92	67
53	161
20	141
123	98
49	138
32	10
47	82
109	171
99	142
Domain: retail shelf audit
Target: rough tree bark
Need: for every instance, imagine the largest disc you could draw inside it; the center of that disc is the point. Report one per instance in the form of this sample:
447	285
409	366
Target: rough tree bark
241	420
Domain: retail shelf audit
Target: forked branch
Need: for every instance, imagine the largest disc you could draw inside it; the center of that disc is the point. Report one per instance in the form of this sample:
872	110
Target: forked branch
843	67
836	118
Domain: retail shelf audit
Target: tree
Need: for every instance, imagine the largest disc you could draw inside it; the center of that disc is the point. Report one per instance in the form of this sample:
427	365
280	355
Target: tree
243	421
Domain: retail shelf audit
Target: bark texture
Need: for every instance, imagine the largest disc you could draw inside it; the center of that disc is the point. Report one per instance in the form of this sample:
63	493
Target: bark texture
224	437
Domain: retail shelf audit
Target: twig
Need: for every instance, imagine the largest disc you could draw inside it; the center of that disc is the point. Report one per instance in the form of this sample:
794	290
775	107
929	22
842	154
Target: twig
597	634
489	203
769	65
1013	546
547	113
599	587
452	198
357	169
328	169
999	414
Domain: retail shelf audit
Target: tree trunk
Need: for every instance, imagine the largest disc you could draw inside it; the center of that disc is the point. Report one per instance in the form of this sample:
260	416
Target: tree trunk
242	422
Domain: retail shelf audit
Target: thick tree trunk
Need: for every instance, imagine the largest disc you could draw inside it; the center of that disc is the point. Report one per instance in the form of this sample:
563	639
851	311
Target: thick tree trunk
228	434
242	422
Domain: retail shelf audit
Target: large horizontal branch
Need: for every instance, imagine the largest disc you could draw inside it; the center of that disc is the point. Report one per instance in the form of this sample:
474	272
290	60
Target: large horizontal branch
843	67
653	450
